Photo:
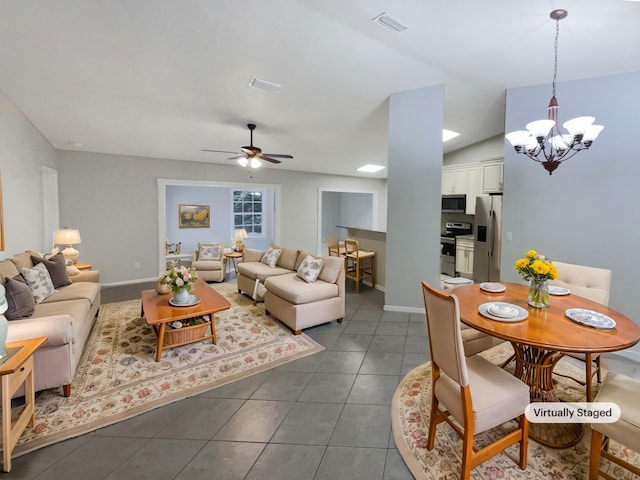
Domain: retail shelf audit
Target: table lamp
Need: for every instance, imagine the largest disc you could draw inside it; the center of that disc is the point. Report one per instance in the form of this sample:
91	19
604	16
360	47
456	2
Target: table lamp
240	235
69	237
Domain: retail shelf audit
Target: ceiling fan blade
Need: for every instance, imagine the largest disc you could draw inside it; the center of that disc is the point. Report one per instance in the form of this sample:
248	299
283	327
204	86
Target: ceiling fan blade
216	151
236	157
262	156
277	155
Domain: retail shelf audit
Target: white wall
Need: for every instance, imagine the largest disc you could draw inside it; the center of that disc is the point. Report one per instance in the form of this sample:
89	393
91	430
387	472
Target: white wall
415	179
23	153
587	211
113	200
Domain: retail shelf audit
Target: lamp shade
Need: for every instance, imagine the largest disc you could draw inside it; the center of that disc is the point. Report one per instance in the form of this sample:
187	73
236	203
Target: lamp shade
67	236
240	234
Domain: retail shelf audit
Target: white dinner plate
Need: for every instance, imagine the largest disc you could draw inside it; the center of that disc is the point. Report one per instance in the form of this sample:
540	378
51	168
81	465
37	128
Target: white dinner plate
492	287
556	290
522	313
590	318
193	300
503	310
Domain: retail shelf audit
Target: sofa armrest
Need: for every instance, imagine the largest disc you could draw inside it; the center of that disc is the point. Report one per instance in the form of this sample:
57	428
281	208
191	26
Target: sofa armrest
57	329
86	276
251	255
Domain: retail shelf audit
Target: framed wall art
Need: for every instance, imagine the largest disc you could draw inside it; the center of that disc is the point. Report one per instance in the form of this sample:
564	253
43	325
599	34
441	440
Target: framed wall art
193	216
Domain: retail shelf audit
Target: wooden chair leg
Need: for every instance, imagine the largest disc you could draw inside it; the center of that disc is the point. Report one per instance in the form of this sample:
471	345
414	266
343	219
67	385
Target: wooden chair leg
594	459
599	369
66	390
373	272
524	442
588	376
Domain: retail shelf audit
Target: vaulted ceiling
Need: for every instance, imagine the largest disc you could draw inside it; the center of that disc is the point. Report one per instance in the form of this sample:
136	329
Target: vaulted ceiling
168	78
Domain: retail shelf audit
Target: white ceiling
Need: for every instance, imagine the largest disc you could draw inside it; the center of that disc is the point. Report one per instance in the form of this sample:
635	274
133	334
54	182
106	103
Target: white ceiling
167	78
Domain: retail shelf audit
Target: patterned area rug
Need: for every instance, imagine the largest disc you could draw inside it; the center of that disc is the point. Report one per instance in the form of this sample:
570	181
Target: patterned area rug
410	420
119	378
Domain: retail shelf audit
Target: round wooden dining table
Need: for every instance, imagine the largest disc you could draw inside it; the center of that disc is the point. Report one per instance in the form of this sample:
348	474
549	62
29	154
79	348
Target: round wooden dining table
540	340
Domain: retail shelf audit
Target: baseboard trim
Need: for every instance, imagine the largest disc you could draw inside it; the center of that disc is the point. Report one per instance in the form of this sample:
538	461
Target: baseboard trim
129	282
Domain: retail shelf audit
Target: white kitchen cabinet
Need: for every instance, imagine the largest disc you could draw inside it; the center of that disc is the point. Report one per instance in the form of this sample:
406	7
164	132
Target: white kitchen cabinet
492	177
474	187
454	180
464	257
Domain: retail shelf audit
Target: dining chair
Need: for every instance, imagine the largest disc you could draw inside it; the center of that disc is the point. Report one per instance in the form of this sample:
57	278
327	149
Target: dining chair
359	264
595	284
336	247
476	393
623	391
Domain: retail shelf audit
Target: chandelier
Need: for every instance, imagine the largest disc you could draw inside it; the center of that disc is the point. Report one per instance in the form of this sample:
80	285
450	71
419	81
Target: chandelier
542	140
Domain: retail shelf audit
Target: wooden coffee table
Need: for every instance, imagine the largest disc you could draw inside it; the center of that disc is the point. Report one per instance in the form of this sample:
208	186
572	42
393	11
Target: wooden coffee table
158	312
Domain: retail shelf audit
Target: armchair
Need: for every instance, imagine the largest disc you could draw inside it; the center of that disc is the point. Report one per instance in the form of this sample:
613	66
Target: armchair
209	262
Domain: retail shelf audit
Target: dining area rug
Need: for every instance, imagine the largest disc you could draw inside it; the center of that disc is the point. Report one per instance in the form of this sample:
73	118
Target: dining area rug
410	413
118	377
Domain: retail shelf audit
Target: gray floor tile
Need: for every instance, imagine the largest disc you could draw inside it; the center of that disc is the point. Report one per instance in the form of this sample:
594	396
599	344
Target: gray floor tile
417	345
362	426
342	362
353	342
222	461
417	329
412	360
282	385
201	418
383	363
395	316
365	315
386	327
243	388
352	463
287	462
309	363
395	468
387	343
361	327
374	389
325	339
328	387
308	424
256	421
148	464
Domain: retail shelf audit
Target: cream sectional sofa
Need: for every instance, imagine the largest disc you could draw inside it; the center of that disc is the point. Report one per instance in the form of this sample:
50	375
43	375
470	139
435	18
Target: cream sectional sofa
66	318
292	300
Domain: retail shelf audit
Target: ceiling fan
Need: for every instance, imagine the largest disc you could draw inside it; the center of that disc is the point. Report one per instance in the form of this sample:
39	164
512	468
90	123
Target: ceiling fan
251	154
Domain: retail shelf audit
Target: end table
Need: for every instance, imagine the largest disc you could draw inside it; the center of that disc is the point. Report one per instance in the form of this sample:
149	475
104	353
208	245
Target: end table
15	371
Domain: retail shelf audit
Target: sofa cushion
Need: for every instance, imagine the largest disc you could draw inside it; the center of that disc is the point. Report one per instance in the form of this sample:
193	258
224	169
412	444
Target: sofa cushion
309	269
302	254
209	251
8	269
76	309
21	302
39	282
296	291
87	291
252	255
331	267
260	271
288	258
56	266
271	256
23	260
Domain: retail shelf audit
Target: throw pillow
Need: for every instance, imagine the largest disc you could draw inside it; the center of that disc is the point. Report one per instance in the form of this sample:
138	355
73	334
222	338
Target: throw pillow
39	282
20	301
271	256
72	271
309	269
209	252
56	266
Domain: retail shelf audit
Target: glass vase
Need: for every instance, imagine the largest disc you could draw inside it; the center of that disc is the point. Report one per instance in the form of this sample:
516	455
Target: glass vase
538	293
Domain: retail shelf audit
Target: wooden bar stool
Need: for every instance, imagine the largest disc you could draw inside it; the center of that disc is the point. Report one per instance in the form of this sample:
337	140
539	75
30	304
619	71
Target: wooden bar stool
336	247
359	264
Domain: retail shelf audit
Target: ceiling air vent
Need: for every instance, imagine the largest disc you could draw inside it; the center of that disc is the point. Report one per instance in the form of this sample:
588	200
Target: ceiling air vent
387	21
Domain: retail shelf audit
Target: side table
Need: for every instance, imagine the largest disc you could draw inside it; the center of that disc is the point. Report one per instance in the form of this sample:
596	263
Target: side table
15	371
84	266
234	256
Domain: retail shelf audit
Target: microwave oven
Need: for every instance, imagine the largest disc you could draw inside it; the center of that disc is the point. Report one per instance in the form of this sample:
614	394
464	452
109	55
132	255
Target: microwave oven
454	203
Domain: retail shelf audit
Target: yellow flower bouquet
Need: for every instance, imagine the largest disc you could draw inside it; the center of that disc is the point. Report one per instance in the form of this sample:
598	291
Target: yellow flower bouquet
537	269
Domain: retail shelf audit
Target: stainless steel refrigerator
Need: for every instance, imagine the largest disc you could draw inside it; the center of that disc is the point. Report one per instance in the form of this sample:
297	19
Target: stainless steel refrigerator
487	238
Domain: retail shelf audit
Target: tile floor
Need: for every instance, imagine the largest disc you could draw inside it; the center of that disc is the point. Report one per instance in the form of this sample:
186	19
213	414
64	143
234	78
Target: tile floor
326	416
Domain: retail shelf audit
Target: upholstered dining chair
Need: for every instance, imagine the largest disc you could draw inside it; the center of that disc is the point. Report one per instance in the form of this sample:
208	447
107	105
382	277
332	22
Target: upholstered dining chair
623	391
359	264
595	284
476	393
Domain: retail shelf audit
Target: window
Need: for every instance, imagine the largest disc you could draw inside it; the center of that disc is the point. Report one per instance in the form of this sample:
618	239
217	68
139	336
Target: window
247	212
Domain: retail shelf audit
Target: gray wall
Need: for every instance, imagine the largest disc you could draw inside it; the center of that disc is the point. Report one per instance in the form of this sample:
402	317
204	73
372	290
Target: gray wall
585	212
414	190
23	153
113	200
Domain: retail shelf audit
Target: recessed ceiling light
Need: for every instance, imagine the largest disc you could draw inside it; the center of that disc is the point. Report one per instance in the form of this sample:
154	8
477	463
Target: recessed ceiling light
264	84
370	168
448	134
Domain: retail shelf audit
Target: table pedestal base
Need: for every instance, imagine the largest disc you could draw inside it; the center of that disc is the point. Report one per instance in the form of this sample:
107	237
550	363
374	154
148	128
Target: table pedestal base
534	366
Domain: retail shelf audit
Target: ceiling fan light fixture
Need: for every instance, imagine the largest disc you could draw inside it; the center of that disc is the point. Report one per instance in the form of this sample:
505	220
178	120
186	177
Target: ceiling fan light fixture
255	163
243	162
